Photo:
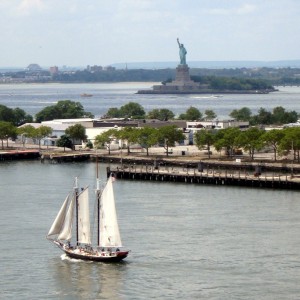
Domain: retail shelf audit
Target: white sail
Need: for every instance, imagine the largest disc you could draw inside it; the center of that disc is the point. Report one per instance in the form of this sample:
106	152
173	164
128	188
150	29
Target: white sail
84	235
60	218
66	231
109	229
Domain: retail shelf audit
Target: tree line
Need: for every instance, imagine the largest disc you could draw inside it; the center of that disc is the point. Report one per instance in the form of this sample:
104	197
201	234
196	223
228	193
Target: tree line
252	140
67	109
134	110
265	75
215	81
146	137
63	109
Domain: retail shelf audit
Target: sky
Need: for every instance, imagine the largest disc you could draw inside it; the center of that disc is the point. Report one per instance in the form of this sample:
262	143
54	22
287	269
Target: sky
104	32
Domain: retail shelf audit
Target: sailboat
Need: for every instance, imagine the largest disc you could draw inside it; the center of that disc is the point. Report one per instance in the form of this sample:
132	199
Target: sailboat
75	211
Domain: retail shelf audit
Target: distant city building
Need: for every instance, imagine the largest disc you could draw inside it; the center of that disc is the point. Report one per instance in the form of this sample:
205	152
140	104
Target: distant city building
33	67
109	68
94	68
216	124
53	70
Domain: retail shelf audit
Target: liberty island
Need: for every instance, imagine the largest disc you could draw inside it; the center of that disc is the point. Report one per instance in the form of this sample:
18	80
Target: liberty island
183	84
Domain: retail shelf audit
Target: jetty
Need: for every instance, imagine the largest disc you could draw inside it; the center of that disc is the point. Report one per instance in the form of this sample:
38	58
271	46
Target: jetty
64	157
19	154
230	177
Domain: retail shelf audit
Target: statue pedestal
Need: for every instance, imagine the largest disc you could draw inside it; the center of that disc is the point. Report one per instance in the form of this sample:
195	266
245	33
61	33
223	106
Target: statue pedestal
182	77
183	73
181	85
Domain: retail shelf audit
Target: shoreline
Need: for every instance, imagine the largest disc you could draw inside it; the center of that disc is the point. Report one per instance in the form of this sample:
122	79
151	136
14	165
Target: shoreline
191	168
180	155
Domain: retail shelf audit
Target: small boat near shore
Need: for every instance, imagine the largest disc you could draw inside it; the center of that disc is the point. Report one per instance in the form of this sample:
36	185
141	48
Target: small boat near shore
74	212
86	95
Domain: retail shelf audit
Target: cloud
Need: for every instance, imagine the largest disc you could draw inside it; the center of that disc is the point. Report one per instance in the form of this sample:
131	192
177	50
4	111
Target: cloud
27	7
241	10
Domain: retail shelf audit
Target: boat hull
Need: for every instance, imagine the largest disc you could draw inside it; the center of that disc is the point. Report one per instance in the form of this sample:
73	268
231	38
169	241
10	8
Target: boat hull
106	256
98	258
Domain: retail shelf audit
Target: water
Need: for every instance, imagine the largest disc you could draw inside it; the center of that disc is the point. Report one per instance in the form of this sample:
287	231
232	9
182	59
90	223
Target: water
34	97
188	241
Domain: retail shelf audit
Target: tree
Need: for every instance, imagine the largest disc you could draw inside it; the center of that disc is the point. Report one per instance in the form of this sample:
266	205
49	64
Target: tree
64	109
89	145
6	114
250	140
243	114
291	142
128	134
281	116
263	117
27	131
113	112
147	137
227	138
169	135
132	110
21	117
154	114
76	132
273	138
204	138
210	114
163	114
64	141
105	139
41	132
7	130
192	113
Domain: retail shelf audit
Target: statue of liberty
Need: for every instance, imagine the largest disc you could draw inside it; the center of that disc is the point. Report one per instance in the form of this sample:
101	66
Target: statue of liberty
182	53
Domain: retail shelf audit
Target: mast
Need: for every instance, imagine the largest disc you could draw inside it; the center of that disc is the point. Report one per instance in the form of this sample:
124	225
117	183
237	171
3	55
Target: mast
76	205
98	201
98	210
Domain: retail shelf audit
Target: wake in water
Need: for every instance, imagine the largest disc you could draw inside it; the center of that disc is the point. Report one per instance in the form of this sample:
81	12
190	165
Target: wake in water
206	97
66	257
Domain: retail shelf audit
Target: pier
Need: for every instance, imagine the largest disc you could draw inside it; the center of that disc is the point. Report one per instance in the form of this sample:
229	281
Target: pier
61	158
208	176
19	154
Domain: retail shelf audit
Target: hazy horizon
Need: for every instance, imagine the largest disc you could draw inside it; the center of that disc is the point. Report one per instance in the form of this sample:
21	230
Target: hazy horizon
173	65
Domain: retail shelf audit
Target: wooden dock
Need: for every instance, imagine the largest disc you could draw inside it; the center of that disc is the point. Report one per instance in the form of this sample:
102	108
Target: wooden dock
225	177
60	158
19	154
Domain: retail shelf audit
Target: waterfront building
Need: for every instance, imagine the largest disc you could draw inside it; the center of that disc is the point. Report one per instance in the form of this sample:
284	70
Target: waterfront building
94	127
217	124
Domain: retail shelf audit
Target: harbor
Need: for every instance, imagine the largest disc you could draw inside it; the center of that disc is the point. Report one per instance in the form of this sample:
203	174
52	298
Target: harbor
244	239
